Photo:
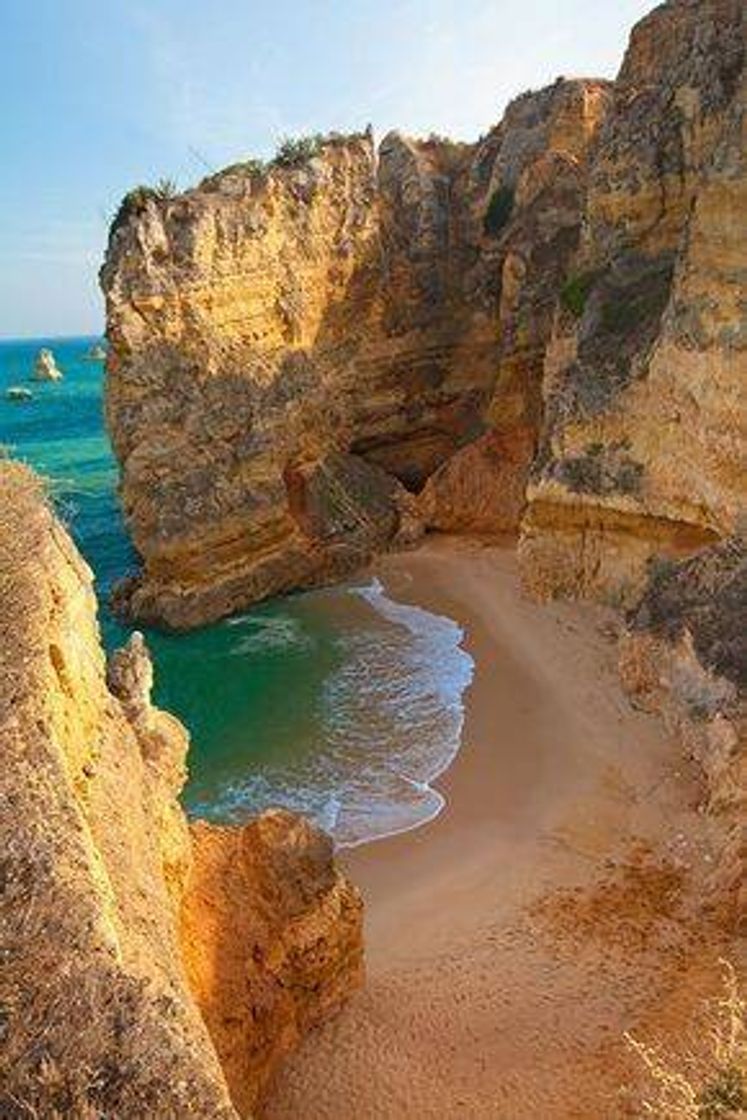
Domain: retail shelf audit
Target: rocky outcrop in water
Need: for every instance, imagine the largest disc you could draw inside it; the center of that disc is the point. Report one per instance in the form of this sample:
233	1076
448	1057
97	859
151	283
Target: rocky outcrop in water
46	368
106	900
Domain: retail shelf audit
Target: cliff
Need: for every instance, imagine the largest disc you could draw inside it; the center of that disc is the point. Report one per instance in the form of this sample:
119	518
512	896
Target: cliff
543	332
296	348
644	407
101	878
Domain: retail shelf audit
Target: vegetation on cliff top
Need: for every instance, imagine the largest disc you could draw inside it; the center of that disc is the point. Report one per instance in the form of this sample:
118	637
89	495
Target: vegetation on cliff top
136	200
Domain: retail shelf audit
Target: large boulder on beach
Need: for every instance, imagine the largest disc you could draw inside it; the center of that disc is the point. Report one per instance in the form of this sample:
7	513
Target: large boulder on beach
46	368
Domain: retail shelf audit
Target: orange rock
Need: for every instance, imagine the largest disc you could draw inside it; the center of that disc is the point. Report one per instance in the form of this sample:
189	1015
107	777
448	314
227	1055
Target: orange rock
272	941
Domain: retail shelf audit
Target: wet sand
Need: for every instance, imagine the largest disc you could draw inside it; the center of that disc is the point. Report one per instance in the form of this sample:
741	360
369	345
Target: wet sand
548	909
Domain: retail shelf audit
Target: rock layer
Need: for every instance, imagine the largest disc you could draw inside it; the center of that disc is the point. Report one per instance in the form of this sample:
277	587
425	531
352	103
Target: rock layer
544	331
292	349
645	413
98	1016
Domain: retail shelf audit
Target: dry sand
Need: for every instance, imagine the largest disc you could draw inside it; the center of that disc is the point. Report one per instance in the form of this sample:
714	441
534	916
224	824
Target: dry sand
549	908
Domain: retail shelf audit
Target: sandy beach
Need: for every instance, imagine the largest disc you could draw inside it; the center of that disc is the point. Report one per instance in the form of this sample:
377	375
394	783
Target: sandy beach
547	910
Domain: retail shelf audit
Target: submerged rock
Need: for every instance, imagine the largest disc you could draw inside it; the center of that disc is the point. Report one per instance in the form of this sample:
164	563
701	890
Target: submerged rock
45	367
18	393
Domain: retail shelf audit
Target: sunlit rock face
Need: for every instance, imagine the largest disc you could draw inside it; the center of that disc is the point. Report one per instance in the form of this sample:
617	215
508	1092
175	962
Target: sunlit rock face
545	329
151	969
645	372
98	1016
292	350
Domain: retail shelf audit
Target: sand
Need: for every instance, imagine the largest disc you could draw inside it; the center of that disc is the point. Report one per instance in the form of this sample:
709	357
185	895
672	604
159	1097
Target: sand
548	909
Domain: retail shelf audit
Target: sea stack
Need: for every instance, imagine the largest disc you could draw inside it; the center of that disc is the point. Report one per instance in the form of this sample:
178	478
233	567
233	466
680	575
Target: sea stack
46	368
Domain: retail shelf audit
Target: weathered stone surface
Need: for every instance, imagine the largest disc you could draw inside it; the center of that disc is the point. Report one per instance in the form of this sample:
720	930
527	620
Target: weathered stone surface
645	412
480	489
95	851
98	868
685	656
272	941
279	337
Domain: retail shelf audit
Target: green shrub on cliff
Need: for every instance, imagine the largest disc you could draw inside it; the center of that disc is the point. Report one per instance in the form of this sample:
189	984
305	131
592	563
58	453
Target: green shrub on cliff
296	150
499	211
575	292
135	201
600	470
165	189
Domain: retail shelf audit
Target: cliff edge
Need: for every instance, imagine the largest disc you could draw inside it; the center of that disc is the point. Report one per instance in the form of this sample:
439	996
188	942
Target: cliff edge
101	877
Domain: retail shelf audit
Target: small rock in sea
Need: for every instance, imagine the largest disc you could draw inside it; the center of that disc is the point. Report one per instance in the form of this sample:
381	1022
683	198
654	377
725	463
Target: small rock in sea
45	367
18	393
97	353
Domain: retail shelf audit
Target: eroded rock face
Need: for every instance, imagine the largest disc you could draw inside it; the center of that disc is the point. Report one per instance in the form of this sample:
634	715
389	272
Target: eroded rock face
266	973
645	373
545	328
685	656
98	1014
95	849
291	350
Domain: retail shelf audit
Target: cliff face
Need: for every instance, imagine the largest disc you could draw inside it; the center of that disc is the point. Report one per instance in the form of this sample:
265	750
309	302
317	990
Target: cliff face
98	1014
643	448
291	349
685	656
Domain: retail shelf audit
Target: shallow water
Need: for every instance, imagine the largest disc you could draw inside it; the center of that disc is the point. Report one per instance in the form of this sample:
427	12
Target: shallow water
340	703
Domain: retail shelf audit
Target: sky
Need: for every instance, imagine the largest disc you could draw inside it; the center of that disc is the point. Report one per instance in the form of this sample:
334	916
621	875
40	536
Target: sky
100	95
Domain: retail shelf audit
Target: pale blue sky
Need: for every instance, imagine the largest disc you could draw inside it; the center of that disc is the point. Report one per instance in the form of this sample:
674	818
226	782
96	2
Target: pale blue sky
99	95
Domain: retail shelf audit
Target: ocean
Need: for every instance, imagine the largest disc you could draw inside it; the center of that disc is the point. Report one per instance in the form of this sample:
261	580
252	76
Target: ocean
340	703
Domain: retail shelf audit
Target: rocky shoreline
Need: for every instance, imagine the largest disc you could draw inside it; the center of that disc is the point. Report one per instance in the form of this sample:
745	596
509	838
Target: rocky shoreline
150	968
541	335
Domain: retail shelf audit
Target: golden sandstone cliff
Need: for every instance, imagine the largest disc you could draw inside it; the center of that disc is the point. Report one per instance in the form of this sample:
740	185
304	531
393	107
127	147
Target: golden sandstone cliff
643	450
116	930
319	359
295	351
543	333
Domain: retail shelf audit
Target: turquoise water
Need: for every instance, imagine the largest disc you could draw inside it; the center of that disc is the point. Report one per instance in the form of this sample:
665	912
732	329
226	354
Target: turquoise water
339	703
